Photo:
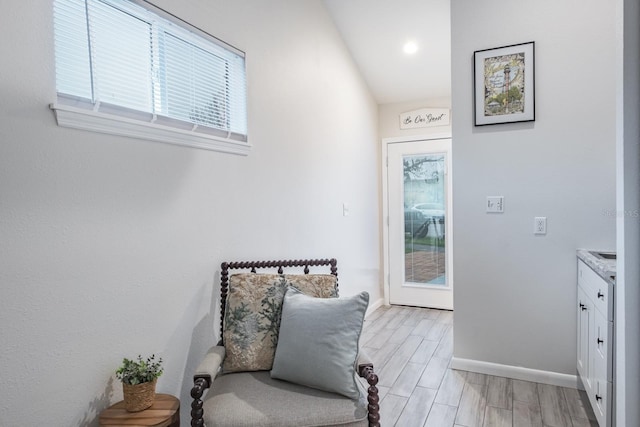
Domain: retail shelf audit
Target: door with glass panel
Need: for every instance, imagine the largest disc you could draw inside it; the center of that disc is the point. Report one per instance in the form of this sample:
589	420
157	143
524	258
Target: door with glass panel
419	210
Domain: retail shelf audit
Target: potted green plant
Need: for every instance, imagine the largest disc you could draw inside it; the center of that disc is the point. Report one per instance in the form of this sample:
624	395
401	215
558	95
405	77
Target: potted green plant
139	379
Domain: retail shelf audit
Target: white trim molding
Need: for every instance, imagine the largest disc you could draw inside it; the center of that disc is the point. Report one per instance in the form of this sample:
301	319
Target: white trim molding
516	372
374	306
79	118
384	147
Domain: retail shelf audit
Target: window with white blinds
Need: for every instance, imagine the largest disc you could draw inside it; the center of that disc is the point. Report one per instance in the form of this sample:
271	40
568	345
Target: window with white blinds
127	68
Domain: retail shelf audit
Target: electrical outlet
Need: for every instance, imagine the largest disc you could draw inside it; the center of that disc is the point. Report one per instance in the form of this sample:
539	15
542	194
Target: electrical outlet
540	225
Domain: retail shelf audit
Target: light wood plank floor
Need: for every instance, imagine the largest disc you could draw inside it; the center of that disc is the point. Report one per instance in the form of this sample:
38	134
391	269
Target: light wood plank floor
411	350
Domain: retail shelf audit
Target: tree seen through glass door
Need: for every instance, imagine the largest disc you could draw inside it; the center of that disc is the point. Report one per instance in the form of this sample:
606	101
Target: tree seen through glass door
424	219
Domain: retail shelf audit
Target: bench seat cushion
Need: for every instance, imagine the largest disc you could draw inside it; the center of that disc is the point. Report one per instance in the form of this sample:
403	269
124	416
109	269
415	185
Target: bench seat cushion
261	401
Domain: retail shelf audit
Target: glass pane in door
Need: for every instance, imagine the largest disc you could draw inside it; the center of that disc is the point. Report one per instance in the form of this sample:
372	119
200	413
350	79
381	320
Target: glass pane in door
424	219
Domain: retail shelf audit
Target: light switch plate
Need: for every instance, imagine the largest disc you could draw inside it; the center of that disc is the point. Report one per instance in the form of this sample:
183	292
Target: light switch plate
495	204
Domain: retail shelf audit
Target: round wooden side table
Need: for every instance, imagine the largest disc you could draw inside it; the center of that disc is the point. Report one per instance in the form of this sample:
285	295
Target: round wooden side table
165	412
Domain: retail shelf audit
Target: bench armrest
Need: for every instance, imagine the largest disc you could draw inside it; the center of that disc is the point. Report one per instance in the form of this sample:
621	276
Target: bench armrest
365	370
208	368
363	360
202	380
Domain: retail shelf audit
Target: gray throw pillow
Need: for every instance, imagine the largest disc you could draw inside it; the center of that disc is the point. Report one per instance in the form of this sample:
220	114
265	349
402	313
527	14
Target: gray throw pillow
318	341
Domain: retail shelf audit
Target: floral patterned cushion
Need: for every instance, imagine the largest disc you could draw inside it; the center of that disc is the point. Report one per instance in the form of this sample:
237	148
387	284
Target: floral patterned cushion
252	315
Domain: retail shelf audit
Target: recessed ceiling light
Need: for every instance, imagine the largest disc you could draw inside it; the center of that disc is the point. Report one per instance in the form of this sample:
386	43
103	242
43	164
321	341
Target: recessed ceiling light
410	47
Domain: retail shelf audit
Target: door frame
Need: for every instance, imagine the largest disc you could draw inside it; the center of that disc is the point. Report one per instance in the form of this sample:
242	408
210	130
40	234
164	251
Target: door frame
386	279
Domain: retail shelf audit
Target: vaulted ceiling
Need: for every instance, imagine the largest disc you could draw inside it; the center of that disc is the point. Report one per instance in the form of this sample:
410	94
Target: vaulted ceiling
375	32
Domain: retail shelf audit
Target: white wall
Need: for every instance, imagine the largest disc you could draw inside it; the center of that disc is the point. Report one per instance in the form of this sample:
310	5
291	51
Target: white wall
515	292
627	387
111	246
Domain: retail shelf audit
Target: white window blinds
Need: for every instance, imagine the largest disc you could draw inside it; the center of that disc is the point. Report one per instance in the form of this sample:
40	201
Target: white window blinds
123	58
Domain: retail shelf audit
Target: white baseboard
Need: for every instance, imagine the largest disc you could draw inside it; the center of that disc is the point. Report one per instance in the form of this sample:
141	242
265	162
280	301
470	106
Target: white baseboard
374	306
515	372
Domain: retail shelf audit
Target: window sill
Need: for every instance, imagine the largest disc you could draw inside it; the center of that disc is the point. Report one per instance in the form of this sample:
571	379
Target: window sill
78	118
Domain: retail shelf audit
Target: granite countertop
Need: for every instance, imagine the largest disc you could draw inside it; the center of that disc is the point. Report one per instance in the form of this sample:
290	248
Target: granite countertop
606	268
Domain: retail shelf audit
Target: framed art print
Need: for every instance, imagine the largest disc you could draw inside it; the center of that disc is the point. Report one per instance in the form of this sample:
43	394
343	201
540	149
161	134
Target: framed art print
504	84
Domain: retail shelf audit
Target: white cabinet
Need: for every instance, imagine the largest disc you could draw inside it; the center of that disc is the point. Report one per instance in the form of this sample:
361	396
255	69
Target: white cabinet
595	334
585	320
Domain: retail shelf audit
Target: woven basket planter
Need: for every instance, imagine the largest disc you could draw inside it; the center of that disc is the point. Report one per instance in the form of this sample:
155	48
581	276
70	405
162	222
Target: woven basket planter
140	396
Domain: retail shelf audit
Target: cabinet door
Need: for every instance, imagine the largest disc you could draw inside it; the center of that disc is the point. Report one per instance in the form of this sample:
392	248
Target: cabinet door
597	289
602	362
602	354
585	322
599	399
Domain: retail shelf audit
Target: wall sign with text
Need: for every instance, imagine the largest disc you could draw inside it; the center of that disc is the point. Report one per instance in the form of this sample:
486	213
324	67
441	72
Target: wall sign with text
424	118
